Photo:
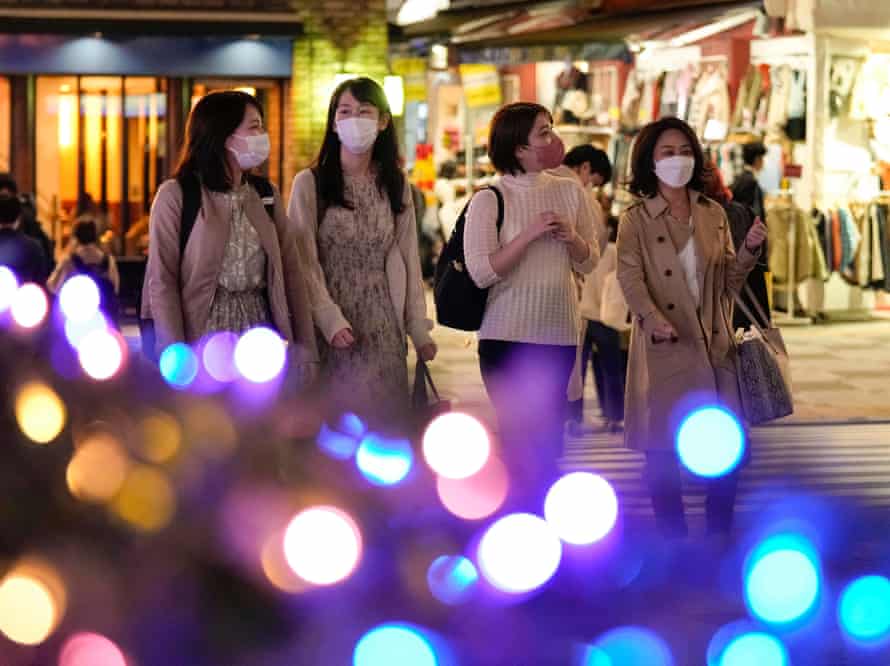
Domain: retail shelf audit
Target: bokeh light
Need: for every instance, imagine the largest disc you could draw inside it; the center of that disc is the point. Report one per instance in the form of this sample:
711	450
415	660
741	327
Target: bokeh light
276	567
209	429
456	445
710	442
178	365
336	444
351	424
218	356
755	649
519	553
384	461
782	580
864	610
452	579
9	284
146	501
394	643
633	646
594	656
76	331
478	496
29	306
323	545
260	355
40	412
28	612
79	298
161	437
581	507
98	468
102	353
89	649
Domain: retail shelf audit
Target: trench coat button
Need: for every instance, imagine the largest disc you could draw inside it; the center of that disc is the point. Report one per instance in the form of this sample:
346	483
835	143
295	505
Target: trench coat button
670	306
668	272
661	239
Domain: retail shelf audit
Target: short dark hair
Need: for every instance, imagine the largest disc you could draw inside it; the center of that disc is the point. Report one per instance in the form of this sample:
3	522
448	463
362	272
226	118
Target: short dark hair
510	129
85	232
10	209
213	120
7	182
596	158
751	151
644	182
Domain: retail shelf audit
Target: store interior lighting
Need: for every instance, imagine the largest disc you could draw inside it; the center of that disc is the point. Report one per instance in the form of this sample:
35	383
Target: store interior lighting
394	88
416	11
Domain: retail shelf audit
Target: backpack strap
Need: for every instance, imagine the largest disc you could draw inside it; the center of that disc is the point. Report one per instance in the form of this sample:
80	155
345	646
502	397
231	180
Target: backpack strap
500	198
264	188
191	204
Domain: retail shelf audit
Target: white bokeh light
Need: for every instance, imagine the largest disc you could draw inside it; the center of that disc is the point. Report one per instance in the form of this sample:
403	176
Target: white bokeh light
582	508
101	354
29	306
79	298
9	284
260	355
519	553
323	545
456	445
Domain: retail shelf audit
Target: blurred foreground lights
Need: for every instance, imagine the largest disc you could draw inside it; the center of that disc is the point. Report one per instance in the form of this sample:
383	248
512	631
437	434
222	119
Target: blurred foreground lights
782	579
79	298
478	496
9	285
28	612
178	365
260	355
276	568
456	445
40	412
88	649
755	649
161	437
864	611
98	469
29	306
384	461
395	643
711	443
519	553
218	357
452	579
146	501
336	444
582	508
629	646
77	331
323	545
102	353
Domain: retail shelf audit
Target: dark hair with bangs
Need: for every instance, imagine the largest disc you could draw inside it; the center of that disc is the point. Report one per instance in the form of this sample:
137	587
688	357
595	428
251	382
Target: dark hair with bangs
213	120
510	129
384	156
644	182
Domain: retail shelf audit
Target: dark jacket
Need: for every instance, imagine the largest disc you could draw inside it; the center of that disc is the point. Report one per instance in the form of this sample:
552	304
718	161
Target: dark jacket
741	219
23	255
746	190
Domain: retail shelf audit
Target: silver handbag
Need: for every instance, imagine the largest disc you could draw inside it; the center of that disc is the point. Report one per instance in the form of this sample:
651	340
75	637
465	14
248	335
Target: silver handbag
762	365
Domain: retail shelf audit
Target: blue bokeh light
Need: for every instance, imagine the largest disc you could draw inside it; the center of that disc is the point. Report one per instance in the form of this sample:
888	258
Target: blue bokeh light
755	649
864	611
594	656
452	579
631	646
383	461
394	643
351	424
711	442
336	444
782	579
179	365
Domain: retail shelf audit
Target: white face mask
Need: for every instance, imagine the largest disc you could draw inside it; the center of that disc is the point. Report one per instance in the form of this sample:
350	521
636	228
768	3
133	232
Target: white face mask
256	152
675	171
357	134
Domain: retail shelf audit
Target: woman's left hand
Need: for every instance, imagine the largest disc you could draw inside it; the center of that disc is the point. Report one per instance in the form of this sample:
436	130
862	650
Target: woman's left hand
562	229
756	235
428	352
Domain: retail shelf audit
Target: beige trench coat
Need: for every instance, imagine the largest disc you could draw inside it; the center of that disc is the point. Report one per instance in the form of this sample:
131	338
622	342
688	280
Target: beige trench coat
666	381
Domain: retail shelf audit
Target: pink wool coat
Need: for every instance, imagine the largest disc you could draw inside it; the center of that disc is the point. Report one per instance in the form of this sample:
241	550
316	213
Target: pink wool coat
666	381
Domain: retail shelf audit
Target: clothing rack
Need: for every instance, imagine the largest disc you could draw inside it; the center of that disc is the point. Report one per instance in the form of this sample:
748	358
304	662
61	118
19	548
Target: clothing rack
789	318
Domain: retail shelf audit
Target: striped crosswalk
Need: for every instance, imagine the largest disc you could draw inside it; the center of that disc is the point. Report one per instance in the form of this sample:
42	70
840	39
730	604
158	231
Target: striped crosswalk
844	461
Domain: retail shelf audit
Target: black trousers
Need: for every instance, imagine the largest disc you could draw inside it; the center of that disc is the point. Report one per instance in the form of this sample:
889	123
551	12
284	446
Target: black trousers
602	347
527	386
666	490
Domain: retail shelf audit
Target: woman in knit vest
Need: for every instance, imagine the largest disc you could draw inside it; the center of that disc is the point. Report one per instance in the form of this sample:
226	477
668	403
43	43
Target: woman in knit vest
529	333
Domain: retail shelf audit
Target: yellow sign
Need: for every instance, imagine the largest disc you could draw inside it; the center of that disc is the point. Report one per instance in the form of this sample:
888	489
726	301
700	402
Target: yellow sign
482	85
413	72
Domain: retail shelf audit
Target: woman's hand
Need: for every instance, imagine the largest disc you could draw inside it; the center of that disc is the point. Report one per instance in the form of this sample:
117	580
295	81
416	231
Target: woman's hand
560	228
428	352
541	227
664	331
343	339
756	235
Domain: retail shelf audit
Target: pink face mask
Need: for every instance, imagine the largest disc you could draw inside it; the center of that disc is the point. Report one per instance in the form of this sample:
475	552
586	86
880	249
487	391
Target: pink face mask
551	155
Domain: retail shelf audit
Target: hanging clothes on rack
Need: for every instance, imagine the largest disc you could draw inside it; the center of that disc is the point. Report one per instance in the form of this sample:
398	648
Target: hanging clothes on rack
809	261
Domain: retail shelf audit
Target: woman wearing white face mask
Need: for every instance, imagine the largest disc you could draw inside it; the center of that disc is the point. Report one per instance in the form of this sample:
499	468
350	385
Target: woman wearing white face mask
679	272
355	215
240	266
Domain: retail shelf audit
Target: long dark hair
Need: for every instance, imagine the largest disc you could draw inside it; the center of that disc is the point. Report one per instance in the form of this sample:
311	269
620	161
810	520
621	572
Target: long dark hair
385	155
213	120
644	182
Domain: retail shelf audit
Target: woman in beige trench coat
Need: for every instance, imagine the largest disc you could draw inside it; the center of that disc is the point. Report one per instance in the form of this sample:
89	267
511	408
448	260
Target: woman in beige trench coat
679	271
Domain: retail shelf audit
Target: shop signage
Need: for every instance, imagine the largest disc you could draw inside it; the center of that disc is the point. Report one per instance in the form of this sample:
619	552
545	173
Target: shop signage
481	84
413	72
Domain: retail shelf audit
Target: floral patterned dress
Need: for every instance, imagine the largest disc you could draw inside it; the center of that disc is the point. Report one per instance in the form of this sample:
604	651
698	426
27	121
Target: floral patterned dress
240	301
371	376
